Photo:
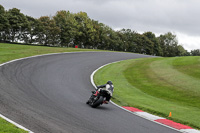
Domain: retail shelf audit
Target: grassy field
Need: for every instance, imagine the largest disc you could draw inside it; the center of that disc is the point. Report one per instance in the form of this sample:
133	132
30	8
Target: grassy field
12	51
15	51
158	86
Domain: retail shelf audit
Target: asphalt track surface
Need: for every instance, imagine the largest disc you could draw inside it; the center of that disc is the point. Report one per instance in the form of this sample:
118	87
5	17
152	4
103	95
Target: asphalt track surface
47	94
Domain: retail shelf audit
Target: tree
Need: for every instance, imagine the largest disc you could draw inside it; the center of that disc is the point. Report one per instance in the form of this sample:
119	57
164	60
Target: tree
127	38
181	51
48	32
96	34
195	52
114	41
54	33
143	44
31	32
4	24
85	31
64	21
156	46
169	44
18	24
42	30
106	36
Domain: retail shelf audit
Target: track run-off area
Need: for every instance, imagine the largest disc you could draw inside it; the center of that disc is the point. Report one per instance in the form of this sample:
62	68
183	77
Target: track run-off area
47	94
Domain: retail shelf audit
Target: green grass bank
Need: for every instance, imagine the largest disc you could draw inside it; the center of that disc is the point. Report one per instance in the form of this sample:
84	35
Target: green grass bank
158	86
6	127
14	51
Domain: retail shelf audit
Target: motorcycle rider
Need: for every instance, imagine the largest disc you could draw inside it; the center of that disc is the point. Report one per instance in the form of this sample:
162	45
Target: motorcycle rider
108	86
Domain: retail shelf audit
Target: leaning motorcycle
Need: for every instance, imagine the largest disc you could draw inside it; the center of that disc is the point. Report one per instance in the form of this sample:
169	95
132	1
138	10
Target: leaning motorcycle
98	98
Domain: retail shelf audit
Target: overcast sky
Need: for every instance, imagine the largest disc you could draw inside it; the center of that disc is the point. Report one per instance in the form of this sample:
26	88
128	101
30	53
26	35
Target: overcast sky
181	17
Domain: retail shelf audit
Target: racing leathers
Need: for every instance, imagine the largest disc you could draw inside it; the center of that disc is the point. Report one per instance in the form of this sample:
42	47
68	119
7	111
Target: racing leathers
109	88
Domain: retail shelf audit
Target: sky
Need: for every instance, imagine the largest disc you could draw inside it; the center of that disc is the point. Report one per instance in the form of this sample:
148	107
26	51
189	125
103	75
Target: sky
181	17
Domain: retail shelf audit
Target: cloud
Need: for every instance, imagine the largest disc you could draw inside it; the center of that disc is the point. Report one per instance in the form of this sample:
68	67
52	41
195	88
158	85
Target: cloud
188	42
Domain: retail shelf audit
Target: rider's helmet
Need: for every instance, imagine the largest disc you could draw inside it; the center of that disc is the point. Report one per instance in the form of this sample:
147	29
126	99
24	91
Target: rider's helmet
109	82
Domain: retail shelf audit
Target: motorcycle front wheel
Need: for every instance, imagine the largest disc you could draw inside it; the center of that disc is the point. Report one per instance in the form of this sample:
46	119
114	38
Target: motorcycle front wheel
97	102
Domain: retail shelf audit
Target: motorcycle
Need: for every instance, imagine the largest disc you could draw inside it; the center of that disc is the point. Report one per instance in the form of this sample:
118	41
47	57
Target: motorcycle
98	98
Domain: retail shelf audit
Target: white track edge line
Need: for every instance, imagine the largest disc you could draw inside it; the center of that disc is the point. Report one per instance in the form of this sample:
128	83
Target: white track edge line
14	123
182	130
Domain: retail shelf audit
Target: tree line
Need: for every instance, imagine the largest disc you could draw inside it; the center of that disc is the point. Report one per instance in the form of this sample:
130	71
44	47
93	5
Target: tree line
66	29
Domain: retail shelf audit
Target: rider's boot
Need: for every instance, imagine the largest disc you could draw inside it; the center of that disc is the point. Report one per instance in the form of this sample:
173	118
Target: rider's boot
106	102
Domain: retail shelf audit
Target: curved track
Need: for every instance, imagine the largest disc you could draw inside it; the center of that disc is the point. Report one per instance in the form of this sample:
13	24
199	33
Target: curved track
47	94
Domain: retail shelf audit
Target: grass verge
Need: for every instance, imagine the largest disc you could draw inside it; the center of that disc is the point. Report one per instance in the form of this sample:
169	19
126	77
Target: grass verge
6	127
158	86
14	51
